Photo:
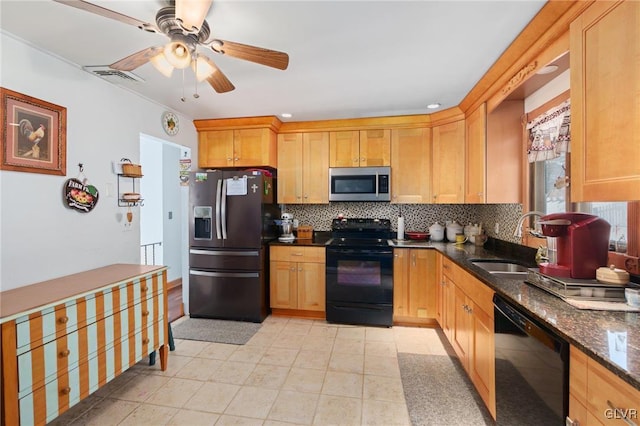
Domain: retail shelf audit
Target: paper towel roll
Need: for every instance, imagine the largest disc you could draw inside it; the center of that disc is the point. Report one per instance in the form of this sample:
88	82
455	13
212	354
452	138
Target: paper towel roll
400	228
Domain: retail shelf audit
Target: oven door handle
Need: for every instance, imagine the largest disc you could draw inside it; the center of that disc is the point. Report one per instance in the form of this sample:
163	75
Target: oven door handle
359	251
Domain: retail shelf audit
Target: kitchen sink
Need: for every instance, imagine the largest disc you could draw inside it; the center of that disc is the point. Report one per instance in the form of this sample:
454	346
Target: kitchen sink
504	268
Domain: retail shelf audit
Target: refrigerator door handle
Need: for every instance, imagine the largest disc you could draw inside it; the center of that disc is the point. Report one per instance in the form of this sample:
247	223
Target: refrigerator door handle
244	253
218	196
224	209
225	274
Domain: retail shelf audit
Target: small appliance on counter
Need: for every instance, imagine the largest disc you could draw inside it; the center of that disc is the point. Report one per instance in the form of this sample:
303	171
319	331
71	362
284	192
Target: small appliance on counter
286	225
577	244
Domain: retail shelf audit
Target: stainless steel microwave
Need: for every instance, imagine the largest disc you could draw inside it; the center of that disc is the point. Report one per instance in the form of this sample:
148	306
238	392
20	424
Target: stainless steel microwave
360	184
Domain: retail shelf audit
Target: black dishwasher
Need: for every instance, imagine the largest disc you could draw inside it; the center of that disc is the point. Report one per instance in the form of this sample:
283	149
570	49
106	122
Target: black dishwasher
532	369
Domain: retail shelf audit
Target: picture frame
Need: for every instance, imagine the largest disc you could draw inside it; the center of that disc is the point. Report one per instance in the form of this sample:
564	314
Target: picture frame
34	134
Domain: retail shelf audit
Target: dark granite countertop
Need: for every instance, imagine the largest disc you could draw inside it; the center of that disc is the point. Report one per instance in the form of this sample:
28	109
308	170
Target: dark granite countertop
600	334
320	238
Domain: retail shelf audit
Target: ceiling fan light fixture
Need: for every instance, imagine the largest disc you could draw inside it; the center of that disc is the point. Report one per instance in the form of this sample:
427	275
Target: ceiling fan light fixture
202	69
191	14
177	54
161	64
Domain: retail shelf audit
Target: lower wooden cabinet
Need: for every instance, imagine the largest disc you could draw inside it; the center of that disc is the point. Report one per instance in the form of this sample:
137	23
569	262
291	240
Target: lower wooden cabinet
466	306
297	279
414	286
597	396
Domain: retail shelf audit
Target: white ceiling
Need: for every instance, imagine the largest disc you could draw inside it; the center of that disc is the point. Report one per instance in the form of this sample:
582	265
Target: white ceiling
348	59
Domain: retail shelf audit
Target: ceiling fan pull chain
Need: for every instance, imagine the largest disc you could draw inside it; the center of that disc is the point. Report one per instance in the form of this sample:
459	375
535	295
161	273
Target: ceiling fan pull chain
195	67
183	98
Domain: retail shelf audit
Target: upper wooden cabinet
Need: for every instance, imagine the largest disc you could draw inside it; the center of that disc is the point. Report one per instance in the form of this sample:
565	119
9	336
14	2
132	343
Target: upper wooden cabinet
448	177
363	148
237	148
476	156
303	168
605	102
410	165
495	154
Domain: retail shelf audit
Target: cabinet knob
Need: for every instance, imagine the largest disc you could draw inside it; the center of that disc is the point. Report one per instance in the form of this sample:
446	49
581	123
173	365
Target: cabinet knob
145	313
293	269
145	341
300	269
363	159
296	254
65	391
229	158
63	320
355	160
143	289
65	353
236	159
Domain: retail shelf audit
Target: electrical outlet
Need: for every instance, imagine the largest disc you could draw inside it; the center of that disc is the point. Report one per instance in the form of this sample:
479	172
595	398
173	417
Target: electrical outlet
127	226
496	228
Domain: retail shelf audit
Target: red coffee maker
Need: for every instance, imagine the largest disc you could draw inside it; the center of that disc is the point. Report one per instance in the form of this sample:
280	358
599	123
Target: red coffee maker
577	244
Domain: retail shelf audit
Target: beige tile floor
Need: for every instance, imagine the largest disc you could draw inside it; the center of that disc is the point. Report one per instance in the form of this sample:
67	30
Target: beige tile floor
292	372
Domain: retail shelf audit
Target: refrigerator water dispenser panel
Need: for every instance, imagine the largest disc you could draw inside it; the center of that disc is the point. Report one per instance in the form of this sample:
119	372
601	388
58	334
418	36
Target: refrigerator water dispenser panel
202	216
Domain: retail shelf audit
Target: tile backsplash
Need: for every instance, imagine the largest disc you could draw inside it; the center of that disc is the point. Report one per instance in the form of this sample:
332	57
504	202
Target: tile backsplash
417	217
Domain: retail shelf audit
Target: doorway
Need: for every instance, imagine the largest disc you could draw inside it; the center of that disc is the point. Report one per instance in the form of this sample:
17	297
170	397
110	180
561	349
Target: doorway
163	227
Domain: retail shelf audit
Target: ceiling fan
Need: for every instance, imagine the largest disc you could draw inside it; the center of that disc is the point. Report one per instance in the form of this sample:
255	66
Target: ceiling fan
187	29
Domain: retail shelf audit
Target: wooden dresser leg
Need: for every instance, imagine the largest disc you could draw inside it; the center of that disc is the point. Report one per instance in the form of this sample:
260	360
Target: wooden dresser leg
164	357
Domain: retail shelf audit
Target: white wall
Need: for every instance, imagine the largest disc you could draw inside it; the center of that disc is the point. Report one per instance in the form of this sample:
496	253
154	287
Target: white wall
40	238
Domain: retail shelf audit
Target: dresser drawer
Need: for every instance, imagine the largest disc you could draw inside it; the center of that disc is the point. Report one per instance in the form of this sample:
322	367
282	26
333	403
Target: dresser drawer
45	326
43	363
298	254
68	387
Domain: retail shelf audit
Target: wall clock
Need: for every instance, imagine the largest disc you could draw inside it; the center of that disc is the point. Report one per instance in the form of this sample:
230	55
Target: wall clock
170	123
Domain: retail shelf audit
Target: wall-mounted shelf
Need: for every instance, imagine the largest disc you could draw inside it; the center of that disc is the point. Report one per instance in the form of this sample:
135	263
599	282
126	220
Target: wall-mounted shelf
129	202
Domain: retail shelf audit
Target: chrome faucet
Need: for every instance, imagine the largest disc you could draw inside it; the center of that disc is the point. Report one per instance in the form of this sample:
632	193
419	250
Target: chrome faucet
536	232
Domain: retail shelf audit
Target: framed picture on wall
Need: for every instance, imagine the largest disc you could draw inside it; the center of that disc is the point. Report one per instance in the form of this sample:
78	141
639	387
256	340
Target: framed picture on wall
34	134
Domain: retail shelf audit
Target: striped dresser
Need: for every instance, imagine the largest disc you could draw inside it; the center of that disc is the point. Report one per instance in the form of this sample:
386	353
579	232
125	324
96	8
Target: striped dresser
65	338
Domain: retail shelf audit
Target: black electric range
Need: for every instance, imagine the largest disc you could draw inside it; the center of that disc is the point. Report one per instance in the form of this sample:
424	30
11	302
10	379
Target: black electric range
359	272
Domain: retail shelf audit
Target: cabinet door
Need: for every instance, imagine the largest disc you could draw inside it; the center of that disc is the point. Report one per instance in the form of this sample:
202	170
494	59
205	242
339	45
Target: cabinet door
283	285
448	310
439	291
476	159
448	163
290	168
315	171
422	285
506	160
375	148
254	148
344	149
482	356
215	149
401	268
605	103
410	166
461	327
311	286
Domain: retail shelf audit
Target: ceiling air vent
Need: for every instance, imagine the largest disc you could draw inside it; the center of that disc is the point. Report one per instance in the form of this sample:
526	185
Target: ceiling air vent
114	76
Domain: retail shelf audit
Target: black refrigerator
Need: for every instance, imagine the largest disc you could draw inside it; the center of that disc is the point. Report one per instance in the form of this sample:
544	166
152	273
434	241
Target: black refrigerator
231	220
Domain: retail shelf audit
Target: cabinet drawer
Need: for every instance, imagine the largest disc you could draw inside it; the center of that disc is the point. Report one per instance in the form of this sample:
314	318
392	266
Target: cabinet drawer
607	392
48	324
298	254
42	364
451	270
69	387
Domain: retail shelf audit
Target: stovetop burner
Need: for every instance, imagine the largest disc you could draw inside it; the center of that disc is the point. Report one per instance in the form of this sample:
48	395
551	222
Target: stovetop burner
360	232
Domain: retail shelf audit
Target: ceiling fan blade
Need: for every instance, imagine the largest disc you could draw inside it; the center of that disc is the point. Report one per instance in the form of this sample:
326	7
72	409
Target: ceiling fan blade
259	55
140	58
217	79
107	13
